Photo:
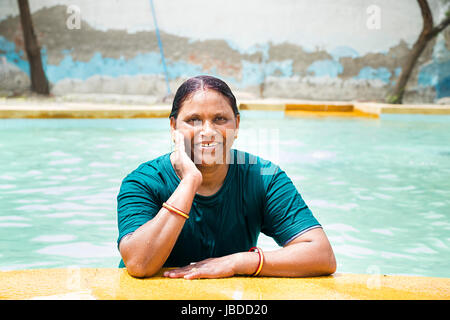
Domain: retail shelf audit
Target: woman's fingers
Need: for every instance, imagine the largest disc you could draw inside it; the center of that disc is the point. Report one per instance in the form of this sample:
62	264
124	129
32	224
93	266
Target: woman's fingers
191	273
180	272
181	156
182	162
179	146
179	142
209	268
205	273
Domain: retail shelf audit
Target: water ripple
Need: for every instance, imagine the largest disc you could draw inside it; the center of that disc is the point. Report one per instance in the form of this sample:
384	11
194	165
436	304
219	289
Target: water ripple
81	250
54	238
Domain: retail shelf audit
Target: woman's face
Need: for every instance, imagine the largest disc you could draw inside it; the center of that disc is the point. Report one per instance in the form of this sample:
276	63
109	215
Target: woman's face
208	125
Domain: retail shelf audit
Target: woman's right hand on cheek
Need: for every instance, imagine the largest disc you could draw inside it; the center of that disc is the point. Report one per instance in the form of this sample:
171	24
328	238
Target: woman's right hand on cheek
182	163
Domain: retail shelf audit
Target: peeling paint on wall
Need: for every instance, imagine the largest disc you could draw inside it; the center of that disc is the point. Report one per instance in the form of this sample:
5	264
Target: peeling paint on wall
325	68
436	73
107	58
13	55
370	73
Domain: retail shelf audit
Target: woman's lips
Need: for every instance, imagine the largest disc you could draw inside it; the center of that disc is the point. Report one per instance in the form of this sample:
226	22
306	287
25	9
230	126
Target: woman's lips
207	145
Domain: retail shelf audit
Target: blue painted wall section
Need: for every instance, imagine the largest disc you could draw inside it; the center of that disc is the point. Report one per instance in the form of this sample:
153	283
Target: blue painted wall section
435	74
13	56
369	73
148	63
325	68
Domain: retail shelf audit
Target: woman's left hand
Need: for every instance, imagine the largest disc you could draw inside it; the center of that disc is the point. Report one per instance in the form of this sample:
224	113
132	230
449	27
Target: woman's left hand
210	268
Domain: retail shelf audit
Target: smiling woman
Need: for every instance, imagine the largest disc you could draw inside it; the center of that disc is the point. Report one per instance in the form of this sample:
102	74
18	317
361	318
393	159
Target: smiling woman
208	127
201	207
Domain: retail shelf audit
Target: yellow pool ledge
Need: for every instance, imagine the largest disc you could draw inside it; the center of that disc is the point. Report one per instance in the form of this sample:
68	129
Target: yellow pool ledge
117	284
50	108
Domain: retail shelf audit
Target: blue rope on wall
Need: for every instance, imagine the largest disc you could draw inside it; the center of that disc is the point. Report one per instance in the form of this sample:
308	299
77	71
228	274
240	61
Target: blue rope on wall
161	51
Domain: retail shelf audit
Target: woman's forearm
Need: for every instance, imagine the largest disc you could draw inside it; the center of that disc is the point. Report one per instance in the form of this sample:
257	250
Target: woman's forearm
302	258
308	255
147	249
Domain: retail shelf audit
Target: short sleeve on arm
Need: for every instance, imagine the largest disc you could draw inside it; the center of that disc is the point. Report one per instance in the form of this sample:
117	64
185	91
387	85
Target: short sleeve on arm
286	215
136	203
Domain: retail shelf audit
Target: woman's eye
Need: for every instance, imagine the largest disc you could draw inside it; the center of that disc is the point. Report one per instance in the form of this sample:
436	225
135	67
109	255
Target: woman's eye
197	120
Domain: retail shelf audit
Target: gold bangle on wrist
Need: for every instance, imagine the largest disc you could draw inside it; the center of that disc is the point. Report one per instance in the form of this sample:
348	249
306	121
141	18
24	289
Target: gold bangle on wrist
175	210
261	260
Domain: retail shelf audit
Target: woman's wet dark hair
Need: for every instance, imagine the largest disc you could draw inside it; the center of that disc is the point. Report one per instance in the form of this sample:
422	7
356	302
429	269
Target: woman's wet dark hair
192	85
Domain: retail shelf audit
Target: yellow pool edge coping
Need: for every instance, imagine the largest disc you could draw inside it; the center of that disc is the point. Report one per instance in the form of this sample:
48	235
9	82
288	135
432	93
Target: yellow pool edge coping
117	284
35	109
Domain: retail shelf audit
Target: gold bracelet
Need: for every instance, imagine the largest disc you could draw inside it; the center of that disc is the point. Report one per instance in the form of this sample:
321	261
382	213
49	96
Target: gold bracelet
261	260
175	210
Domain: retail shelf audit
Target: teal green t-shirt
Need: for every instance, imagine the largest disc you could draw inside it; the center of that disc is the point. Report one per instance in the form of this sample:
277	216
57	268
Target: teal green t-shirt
256	196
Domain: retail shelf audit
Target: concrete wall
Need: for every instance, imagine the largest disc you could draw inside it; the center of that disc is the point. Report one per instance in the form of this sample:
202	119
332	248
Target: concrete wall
320	50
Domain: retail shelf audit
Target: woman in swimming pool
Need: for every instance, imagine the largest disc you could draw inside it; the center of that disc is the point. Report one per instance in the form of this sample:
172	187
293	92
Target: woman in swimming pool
201	207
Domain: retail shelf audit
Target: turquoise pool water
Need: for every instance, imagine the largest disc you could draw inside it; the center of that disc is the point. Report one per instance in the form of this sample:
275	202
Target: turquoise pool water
380	187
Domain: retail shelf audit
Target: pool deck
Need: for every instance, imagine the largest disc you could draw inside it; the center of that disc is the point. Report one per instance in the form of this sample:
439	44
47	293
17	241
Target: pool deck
117	284
50	108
